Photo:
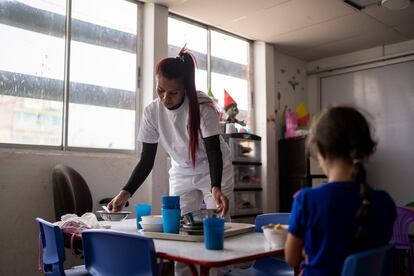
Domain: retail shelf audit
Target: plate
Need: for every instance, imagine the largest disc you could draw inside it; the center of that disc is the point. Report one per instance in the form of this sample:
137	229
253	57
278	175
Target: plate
199	232
193	227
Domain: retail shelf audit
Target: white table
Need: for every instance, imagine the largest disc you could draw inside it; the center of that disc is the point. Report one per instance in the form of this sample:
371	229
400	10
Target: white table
237	249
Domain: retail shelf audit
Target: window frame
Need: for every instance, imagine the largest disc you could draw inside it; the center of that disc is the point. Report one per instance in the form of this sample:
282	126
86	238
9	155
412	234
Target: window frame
210	28
65	93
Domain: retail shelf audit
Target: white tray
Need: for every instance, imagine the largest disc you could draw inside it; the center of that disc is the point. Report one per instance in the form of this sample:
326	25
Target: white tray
231	229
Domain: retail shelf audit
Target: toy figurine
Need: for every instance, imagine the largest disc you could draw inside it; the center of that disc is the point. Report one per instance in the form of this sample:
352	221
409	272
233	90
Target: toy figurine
230	107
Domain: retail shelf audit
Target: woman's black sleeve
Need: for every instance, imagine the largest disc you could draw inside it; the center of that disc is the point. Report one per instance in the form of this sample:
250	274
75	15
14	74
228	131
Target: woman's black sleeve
215	160
142	169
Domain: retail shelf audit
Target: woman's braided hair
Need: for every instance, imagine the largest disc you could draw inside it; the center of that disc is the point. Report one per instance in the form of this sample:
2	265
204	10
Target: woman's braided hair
343	132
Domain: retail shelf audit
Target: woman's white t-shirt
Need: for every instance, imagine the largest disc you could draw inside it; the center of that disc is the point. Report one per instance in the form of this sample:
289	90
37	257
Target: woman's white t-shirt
170	129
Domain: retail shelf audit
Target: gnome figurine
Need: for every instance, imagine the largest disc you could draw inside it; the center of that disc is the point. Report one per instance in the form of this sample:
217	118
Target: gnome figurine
230	107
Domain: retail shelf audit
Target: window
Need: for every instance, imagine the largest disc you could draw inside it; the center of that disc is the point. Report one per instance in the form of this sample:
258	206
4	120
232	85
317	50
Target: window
230	71
229	58
195	37
101	67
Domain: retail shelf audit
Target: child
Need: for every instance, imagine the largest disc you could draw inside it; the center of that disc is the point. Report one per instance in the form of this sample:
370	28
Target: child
344	215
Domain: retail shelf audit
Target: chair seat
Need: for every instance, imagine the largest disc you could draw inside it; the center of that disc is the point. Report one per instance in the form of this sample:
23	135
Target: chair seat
273	266
79	270
266	266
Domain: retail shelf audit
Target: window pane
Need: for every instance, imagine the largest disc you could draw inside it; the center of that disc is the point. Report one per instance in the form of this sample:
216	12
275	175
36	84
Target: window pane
181	33
229	48
31	71
103	74
230	71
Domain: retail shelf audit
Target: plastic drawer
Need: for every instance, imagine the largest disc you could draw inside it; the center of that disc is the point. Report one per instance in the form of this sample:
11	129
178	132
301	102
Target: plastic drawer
245	150
247	176
247	202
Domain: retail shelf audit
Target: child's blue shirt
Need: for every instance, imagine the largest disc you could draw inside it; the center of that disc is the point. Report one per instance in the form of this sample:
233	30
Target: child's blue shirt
324	217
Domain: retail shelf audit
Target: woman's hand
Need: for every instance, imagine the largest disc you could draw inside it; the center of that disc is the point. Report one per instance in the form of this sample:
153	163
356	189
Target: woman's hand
118	202
221	200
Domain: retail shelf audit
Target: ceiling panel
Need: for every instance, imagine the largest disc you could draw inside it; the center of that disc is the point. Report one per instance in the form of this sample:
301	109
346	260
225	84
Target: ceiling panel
307	29
364	41
220	13
390	17
333	30
291	16
407	30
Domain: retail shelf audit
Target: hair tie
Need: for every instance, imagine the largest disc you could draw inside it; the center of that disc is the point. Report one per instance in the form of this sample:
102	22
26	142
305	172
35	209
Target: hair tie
181	58
356	161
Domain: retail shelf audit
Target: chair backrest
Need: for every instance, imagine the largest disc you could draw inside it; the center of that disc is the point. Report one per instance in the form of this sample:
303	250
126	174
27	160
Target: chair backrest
274	218
53	251
71	194
110	252
372	262
400	232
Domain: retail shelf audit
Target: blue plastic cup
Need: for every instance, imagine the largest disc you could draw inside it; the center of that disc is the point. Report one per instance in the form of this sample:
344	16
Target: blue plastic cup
170	202
171	220
213	233
142	210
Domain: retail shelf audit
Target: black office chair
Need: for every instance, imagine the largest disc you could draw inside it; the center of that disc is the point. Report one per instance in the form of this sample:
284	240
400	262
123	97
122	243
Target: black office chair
71	194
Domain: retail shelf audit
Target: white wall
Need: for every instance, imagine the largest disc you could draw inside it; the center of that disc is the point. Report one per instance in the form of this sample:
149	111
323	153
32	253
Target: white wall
155	48
287	69
26	193
25	175
351	62
272	72
348	61
263	97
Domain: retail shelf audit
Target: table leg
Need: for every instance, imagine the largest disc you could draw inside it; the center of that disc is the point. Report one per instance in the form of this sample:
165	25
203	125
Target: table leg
193	270
204	271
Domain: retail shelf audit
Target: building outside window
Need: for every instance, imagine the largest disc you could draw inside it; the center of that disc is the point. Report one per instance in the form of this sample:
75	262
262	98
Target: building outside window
101	65
223	61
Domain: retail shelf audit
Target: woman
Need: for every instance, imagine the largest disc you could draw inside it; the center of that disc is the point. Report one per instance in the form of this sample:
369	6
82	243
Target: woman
185	122
344	215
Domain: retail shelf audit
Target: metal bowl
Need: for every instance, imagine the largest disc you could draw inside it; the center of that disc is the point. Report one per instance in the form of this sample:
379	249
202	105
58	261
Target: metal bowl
113	216
196	217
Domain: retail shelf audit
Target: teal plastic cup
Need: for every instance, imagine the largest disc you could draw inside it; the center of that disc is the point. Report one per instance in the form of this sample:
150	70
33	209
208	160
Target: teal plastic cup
171	220
213	233
142	210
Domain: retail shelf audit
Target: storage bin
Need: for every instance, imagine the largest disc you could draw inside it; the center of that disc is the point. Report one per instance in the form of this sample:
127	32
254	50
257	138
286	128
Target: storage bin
247	202
247	176
245	150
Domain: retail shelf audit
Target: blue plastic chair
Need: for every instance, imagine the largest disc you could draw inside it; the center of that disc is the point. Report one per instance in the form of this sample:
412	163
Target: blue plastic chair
372	262
269	265
53	251
109	253
400	236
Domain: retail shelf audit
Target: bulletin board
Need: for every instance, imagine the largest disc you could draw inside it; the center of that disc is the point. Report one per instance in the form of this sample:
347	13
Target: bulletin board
386	92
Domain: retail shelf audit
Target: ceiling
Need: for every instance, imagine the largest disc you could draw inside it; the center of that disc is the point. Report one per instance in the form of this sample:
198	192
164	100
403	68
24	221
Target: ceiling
306	29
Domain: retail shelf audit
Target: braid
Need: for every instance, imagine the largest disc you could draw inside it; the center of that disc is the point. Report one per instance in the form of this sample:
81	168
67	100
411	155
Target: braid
364	210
